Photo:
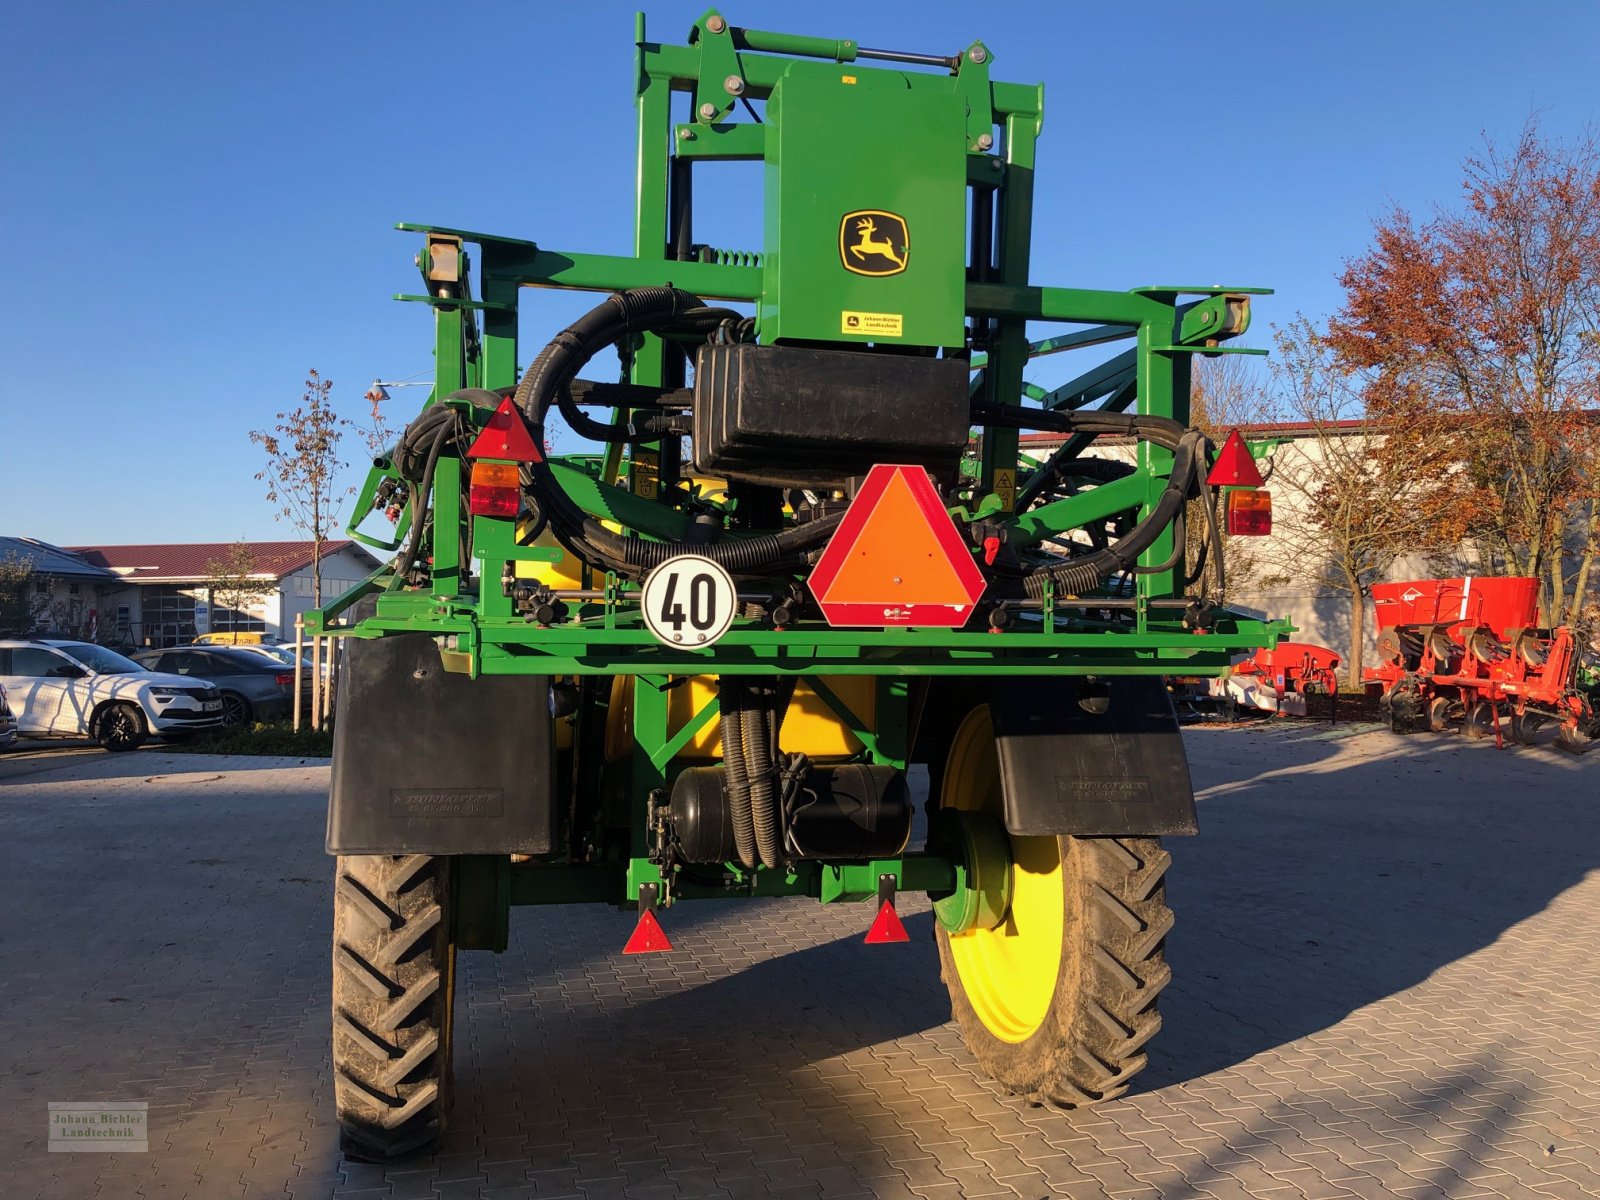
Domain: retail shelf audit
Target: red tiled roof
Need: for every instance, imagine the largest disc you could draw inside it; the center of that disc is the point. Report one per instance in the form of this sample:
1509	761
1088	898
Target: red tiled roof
1263	429
189	561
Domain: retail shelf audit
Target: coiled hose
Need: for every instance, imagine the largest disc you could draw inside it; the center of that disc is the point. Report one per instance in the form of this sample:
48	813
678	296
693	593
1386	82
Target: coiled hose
761	764
416	457
659	310
732	701
1186	480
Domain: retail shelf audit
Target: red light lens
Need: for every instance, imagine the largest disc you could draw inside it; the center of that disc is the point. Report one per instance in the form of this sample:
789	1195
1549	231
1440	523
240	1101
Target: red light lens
1249	513
496	490
494	502
284	680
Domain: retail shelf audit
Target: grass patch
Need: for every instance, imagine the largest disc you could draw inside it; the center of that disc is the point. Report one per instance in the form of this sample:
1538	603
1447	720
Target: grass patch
274	738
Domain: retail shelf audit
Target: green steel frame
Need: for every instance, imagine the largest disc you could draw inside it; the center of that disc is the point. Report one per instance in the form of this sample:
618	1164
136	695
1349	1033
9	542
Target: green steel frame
476	346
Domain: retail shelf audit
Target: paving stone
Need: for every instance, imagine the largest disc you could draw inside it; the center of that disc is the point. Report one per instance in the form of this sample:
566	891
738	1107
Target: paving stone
1353	1013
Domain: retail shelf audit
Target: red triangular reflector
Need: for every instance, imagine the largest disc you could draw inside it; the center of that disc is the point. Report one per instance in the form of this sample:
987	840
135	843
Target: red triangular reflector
896	558
887	927
648	936
506	437
1234	466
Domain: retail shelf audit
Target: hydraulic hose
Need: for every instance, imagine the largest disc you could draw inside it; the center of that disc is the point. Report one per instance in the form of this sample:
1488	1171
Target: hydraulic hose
1186	480
437	426
732	698
664	311
647	429
761	765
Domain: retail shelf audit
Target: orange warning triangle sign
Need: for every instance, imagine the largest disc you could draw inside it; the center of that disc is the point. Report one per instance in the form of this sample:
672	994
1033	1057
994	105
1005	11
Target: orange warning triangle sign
897	558
886	927
1235	467
506	437
648	936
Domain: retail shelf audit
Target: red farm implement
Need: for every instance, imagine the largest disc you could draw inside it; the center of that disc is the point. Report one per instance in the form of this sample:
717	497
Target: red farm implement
1469	652
1278	678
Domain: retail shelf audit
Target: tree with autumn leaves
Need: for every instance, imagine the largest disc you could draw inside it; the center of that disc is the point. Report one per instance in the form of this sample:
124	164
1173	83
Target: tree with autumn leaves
1358	495
1450	410
1488	314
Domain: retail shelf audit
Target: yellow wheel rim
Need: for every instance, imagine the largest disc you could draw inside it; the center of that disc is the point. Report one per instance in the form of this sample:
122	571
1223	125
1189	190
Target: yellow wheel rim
1008	973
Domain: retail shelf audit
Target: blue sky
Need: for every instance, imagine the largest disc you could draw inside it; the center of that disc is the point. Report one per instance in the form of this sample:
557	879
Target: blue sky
197	199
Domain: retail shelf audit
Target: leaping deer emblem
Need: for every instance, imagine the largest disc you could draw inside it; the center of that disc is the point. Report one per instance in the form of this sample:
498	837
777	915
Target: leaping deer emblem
870	243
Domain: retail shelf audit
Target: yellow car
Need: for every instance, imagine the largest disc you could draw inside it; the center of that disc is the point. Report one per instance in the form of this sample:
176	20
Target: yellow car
240	638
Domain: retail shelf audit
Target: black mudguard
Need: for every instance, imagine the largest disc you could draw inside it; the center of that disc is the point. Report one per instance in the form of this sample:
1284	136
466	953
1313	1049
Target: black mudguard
429	762
1090	758
1099	757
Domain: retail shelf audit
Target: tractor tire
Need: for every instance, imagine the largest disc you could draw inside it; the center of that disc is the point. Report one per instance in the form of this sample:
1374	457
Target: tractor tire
1403	710
120	727
393	1004
1057	1001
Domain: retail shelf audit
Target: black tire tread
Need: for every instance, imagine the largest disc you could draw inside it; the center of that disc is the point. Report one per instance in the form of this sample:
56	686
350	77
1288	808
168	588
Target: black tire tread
393	974
1113	970
100	731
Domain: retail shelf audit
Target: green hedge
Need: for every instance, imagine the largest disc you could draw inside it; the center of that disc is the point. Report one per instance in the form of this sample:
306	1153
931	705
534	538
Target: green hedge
274	738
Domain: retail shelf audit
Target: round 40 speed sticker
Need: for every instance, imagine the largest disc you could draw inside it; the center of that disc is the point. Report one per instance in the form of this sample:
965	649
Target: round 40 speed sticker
689	601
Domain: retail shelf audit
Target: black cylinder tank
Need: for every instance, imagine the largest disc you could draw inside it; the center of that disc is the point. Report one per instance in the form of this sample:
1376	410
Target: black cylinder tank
848	812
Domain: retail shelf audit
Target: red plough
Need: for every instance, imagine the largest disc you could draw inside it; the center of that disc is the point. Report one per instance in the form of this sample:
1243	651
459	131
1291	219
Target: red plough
1468	651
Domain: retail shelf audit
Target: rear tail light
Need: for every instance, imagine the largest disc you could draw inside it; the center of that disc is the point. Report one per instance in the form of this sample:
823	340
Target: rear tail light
1249	512
496	490
286	679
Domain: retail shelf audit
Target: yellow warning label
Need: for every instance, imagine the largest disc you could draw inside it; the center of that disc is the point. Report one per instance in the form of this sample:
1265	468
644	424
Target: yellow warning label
882	324
645	474
1005	486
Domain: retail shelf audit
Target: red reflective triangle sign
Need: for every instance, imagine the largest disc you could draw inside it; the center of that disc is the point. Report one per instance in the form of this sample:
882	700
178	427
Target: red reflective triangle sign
897	558
506	437
1235	467
648	936
887	927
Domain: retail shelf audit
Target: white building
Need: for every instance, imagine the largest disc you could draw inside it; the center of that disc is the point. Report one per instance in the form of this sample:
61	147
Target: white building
163	599
59	591
1280	586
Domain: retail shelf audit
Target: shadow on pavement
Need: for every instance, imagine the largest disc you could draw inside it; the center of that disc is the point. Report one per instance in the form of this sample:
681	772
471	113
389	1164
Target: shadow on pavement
1316	890
753	1075
1471	1107
42	761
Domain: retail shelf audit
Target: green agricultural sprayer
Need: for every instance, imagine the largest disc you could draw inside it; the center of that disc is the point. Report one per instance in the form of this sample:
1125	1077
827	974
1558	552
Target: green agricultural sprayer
804	554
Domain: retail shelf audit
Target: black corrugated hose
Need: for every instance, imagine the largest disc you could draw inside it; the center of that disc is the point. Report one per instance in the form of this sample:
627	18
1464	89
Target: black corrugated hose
733	699
659	310
1190	457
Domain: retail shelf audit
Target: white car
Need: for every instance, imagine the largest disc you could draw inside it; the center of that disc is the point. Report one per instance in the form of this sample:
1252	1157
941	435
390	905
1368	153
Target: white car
8	724
78	689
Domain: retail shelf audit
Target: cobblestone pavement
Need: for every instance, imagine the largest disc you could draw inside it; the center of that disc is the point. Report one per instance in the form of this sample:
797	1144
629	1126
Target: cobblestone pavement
1385	984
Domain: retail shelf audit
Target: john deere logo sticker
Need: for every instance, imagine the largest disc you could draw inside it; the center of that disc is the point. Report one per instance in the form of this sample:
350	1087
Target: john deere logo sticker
874	242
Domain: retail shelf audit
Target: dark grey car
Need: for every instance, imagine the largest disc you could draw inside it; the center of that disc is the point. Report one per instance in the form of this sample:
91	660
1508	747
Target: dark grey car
253	687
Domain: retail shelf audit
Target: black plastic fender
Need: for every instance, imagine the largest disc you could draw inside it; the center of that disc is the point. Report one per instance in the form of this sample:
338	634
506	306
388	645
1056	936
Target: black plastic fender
430	762
1084	757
